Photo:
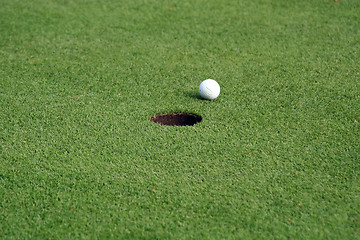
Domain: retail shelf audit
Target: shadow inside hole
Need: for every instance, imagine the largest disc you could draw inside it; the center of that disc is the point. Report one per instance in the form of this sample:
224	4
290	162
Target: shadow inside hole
177	119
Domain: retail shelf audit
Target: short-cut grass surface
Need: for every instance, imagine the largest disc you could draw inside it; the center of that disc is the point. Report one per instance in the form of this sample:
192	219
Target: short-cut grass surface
277	155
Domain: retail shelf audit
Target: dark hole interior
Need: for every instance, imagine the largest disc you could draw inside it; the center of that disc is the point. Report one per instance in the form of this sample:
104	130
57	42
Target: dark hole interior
176	119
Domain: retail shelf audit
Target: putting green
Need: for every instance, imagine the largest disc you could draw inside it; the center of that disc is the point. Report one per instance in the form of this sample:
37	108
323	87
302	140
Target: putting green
276	156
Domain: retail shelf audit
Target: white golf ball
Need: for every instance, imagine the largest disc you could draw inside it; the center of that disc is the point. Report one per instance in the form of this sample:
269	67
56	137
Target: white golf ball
209	89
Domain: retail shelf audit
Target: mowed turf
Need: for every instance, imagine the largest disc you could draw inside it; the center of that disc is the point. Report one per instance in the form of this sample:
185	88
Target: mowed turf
277	156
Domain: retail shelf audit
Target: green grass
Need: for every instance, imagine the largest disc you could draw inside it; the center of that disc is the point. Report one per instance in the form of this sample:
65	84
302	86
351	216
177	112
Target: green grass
277	156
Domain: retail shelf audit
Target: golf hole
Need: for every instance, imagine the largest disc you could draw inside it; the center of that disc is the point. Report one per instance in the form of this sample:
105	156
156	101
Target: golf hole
176	119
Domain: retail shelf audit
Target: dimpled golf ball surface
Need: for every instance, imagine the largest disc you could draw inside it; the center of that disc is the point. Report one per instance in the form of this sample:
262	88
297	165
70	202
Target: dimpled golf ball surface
209	89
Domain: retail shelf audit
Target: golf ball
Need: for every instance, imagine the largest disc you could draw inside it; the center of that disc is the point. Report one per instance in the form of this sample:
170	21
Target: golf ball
209	89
